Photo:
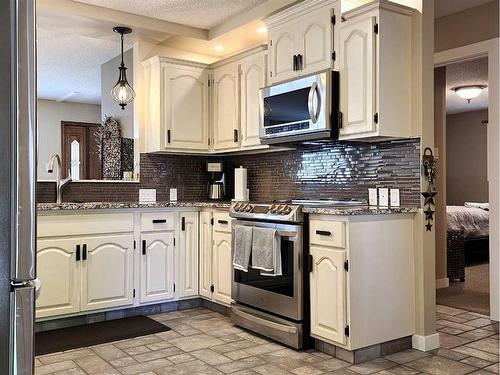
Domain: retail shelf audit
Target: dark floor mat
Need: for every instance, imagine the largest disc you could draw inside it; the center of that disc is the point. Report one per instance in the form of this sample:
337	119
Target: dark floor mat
59	340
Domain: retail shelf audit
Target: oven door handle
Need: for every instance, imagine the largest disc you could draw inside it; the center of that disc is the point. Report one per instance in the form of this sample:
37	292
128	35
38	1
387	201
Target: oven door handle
314	114
264	322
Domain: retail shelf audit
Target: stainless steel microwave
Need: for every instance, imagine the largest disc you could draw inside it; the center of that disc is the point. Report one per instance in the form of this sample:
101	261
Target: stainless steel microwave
300	109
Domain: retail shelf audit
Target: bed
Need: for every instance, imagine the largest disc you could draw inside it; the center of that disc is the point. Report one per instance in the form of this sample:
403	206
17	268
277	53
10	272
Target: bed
467	232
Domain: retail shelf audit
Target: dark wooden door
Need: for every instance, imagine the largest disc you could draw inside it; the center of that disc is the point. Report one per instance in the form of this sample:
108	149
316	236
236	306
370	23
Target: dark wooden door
90	160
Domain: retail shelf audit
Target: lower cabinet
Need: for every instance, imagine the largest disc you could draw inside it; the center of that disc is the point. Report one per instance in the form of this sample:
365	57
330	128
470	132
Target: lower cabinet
328	293
85	273
157	266
215	257
188	254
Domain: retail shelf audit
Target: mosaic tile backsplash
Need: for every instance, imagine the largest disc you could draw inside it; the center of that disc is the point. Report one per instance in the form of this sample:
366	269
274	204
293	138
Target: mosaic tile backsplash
336	170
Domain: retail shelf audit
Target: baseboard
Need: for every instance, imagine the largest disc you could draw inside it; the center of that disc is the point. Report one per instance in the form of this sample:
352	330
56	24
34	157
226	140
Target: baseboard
442	283
425	343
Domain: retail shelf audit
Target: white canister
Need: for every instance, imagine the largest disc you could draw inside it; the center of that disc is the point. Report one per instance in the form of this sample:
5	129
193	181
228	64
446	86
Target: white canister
240	184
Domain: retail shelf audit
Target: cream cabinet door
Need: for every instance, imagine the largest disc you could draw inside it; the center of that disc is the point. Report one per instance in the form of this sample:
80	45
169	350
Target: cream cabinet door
315	41
282	49
188	254
107	271
328	294
253	78
59	272
157	266
222	266
226	107
206	230
185	106
357	76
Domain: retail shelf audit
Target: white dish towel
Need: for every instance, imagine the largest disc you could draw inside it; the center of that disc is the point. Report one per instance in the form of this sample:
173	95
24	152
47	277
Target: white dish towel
266	251
242	247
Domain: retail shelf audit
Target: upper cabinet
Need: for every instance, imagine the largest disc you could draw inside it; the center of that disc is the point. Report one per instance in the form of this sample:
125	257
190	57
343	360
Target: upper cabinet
177	105
301	39
375	72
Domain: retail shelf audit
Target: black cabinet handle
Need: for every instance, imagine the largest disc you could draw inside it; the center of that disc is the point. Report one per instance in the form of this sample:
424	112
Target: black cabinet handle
299	62
159	221
84	257
310	263
78	253
183	224
143	247
294	63
222	221
324	232
235	136
168	136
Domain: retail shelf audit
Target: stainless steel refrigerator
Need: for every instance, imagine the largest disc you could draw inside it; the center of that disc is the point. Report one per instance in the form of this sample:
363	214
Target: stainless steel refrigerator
17	185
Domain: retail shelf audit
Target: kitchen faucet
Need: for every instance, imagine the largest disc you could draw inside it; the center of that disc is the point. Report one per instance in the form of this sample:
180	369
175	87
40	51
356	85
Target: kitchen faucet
60	184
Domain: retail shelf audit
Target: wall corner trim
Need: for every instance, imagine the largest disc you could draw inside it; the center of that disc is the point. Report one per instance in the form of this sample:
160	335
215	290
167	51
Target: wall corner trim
425	343
442	283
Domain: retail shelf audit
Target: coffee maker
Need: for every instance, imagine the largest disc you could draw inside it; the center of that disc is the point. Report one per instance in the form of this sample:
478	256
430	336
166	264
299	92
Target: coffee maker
216	180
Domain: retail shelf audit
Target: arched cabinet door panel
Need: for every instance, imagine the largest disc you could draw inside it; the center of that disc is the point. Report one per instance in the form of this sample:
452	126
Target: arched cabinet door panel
59	273
157	266
188	254
107	271
206	230
222	261
328	294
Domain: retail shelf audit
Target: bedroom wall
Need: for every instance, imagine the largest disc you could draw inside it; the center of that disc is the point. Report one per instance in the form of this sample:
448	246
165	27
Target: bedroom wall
466	166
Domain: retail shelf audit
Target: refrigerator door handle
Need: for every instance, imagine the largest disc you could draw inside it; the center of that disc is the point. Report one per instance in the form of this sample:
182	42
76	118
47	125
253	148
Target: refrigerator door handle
22	311
24	143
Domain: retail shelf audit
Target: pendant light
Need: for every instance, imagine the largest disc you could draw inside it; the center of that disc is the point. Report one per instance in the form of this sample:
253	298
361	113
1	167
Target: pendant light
122	92
469	92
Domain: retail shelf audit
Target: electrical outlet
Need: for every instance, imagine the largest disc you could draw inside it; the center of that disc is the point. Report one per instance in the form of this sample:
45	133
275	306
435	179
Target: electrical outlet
173	194
372	197
147	195
383	197
394	197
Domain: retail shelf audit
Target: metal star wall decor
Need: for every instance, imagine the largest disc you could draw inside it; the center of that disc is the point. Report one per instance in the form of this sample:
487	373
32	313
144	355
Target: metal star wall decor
429	165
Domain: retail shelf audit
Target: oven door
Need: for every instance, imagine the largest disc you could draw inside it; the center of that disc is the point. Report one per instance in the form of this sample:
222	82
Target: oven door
281	295
296	107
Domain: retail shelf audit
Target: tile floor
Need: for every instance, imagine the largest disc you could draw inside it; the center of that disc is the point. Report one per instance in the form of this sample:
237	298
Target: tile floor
205	342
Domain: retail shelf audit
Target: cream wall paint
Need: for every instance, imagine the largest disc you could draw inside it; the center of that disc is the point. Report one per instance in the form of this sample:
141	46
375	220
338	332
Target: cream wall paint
467	27
466	158
50	115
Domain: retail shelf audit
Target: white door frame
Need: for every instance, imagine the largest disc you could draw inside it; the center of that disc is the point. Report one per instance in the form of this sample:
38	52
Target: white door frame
489	48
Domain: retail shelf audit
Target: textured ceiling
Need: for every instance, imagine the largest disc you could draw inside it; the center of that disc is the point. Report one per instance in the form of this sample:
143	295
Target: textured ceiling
474	72
446	7
69	63
203	14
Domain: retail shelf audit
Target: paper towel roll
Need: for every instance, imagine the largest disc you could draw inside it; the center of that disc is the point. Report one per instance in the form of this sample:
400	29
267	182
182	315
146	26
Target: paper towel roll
240	184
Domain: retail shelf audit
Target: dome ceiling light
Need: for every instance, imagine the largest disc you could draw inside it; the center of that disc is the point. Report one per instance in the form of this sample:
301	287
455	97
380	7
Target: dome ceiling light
469	92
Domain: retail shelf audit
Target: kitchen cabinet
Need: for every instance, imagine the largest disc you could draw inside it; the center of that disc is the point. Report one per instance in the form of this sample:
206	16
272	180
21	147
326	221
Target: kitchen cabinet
375	72
59	272
328	293
188	254
177	105
225	105
361	269
301	39
216	260
252	79
157	266
107	271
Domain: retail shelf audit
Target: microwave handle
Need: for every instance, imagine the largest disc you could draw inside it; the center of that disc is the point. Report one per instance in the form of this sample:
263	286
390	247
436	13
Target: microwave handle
310	103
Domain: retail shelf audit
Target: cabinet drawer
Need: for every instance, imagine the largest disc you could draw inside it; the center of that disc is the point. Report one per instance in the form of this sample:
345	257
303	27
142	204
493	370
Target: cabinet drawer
157	221
327	233
222	222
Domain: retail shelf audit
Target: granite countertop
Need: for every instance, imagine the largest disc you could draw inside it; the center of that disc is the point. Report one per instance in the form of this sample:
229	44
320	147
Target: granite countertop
117	205
358	210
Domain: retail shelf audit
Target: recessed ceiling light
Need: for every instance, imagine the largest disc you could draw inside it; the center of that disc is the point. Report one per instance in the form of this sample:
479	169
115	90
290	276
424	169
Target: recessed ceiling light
262	30
469	92
219	48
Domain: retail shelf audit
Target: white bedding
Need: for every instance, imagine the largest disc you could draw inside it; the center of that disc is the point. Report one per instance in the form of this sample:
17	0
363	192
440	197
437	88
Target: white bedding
472	220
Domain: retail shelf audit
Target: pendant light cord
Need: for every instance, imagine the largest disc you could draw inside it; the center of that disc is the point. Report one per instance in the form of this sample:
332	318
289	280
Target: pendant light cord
122	49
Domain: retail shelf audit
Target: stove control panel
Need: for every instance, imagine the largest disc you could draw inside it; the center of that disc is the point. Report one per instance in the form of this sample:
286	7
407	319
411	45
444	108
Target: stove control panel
261	211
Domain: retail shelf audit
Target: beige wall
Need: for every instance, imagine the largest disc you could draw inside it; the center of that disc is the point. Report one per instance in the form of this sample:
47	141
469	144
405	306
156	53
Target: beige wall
466	27
466	150
440	146
50	115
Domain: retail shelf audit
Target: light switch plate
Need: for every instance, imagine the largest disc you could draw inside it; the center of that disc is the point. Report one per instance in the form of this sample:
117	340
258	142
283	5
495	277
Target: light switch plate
394	197
147	195
383	197
173	194
372	197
